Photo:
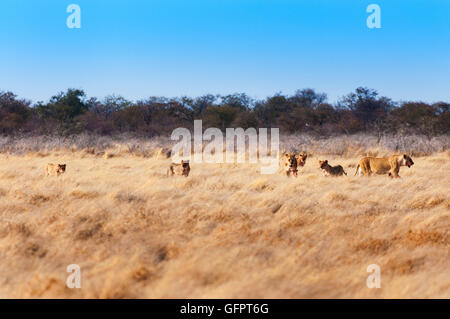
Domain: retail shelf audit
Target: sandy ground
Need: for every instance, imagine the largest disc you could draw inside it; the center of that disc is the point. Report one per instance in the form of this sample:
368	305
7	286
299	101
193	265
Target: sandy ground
226	231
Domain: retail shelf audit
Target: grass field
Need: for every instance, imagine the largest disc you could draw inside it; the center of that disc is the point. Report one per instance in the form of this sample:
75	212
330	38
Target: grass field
226	231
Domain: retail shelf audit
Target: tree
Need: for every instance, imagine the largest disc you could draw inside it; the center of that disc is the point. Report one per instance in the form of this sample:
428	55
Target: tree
64	107
200	104
269	111
237	100
246	119
417	116
443	121
110	105
368	107
308	98
14	113
363	110
220	116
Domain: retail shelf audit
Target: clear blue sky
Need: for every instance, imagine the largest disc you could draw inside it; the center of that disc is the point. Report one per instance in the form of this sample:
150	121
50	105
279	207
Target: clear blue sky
171	48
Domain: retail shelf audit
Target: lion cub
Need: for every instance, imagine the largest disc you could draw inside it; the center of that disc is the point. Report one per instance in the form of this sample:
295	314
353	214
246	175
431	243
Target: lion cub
179	169
329	170
301	159
55	169
290	164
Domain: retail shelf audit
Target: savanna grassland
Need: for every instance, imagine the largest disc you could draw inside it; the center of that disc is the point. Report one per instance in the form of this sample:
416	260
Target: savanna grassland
226	231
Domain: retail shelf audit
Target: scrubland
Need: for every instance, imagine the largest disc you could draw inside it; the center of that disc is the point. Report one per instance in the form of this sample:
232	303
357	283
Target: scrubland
226	231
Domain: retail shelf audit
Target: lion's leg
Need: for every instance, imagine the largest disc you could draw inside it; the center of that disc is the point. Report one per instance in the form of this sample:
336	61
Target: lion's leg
367	172
394	173
361	170
395	168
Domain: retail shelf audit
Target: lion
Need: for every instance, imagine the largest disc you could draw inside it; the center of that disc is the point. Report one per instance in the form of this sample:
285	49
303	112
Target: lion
55	169
329	170
182	169
290	164
301	159
390	165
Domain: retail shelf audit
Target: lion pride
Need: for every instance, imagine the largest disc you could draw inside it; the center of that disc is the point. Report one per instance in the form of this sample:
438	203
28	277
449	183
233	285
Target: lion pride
385	165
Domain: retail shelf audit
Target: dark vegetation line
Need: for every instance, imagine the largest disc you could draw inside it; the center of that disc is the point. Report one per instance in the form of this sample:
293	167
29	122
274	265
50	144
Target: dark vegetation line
70	113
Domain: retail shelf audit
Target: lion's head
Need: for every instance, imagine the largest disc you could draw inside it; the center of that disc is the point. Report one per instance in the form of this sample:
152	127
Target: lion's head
61	168
186	167
290	162
323	164
407	160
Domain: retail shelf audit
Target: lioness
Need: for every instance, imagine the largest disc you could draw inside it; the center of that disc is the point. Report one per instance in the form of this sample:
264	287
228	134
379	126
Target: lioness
290	164
329	170
391	165
179	169
55	169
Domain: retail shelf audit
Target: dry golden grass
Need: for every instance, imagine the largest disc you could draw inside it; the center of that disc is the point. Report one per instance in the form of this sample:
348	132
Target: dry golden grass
226	231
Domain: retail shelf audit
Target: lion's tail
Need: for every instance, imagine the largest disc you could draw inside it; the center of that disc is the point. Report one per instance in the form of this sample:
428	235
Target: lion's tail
357	168
345	172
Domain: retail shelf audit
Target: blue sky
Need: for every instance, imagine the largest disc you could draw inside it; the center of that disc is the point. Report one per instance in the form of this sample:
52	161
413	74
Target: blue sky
172	48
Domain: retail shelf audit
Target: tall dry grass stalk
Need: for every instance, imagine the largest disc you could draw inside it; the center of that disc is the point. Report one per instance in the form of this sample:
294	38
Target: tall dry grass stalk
226	230
348	146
